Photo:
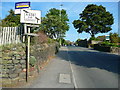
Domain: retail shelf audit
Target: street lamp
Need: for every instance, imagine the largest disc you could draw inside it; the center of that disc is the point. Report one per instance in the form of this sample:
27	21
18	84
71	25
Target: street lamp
60	20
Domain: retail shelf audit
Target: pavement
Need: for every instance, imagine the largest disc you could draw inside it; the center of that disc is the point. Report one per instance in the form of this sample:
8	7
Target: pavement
78	67
57	74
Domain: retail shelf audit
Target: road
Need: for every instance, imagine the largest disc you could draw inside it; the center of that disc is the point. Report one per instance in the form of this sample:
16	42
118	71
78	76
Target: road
78	67
93	69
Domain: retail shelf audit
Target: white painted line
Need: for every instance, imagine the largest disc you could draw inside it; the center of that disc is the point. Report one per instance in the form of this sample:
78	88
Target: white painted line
74	81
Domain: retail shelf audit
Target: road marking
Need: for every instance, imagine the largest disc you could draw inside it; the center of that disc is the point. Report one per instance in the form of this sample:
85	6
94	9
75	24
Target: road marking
74	81
64	78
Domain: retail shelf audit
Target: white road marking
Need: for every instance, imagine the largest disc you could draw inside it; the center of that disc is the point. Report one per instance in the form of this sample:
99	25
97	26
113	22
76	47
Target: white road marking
74	81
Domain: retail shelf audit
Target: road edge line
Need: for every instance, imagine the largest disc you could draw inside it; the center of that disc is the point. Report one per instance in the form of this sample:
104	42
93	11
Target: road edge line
74	81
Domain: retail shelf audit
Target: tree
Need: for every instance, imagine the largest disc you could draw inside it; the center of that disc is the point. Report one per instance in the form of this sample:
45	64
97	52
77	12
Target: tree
55	24
77	41
11	20
114	38
93	20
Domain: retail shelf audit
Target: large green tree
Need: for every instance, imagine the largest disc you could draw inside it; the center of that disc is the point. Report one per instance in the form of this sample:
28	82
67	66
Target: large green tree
11	20
55	24
93	20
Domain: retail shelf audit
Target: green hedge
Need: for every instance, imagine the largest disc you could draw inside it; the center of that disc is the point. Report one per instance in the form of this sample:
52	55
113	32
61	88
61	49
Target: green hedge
102	48
106	43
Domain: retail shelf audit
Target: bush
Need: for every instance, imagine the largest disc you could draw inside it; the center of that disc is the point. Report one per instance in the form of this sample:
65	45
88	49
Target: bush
100	47
32	61
106	43
93	38
50	40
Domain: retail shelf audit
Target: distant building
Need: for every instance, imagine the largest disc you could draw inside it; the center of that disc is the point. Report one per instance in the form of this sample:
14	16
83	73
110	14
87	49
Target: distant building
107	37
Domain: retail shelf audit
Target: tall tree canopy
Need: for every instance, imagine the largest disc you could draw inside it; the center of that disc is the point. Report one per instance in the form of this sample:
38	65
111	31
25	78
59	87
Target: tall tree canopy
11	20
93	20
55	24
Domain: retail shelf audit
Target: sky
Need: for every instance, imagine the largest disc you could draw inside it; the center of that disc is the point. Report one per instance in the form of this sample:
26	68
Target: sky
73	10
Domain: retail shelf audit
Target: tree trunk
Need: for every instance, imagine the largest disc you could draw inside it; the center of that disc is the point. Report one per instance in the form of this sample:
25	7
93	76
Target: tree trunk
92	35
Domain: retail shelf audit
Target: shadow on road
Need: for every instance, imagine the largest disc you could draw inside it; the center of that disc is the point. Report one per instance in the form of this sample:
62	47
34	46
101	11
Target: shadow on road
91	59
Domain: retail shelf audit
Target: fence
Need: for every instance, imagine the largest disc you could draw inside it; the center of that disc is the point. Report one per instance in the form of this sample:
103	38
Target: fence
10	35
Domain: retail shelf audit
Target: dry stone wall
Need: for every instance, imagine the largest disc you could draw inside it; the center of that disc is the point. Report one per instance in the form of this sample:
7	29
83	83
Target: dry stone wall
13	61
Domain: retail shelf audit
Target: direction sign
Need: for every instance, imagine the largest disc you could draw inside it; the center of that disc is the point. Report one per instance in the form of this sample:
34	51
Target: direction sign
30	16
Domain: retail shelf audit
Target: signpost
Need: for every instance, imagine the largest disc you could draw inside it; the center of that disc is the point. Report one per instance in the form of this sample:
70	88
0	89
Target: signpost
30	18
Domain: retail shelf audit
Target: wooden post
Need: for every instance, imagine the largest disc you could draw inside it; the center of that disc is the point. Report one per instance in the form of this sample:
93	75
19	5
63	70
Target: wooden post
28	54
25	31
0	35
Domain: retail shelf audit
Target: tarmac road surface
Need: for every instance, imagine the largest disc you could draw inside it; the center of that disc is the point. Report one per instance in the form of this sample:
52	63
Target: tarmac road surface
78	67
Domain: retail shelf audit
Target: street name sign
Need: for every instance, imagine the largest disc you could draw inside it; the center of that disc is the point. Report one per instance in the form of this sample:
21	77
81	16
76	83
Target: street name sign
30	16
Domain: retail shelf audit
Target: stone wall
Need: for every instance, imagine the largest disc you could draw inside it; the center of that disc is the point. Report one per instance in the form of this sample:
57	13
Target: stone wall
42	53
13	62
115	50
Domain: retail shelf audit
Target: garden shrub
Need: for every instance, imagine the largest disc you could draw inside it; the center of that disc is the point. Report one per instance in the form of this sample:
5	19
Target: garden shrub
32	61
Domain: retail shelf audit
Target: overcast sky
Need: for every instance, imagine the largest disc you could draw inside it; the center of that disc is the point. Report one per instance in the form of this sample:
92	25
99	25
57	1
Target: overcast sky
73	10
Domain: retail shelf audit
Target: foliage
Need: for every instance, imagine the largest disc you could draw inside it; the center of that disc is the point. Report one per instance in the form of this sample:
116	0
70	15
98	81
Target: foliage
63	42
32	61
114	38
107	43
11	20
51	40
93	38
55	24
77	41
68	43
93	20
10	46
42	38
